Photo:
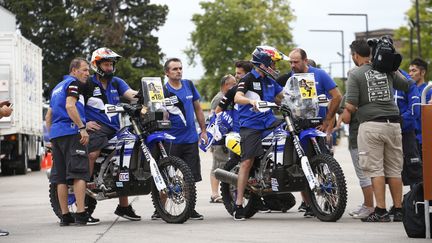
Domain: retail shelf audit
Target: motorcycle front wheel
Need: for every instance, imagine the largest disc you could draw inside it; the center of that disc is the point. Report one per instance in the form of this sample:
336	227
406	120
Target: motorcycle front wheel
328	200
229	193
176	204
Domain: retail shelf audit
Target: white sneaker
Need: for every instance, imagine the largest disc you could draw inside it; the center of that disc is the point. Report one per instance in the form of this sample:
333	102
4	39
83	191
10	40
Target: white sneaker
363	212
356	211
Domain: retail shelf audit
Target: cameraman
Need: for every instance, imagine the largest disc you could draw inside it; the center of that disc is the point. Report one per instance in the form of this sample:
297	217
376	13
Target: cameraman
379	136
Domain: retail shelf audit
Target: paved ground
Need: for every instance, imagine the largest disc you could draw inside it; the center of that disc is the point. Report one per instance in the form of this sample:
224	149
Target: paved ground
25	211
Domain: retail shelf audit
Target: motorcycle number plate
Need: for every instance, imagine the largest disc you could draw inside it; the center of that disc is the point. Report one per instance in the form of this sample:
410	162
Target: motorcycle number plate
124	176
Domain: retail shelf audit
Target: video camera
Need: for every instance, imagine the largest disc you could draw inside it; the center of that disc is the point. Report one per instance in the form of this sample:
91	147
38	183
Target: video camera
385	59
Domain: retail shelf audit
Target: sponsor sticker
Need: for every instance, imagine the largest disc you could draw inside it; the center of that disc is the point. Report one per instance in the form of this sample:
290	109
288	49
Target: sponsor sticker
124	176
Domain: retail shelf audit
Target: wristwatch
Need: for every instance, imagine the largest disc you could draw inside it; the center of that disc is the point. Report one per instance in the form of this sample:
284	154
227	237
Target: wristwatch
82	128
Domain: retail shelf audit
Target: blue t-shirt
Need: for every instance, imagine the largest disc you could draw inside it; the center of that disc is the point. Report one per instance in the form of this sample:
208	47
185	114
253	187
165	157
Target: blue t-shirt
97	97
182	114
256	87
324	83
61	123
418	122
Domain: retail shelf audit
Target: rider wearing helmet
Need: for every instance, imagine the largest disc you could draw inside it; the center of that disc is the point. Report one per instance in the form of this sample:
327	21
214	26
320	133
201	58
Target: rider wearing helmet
105	88
257	85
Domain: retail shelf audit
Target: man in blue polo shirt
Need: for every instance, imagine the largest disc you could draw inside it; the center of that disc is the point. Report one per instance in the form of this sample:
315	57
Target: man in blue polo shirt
65	121
181	115
257	85
105	88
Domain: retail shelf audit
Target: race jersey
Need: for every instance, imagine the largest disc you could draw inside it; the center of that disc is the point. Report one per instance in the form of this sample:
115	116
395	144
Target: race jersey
408	104
61	123
324	83
255	87
182	114
97	97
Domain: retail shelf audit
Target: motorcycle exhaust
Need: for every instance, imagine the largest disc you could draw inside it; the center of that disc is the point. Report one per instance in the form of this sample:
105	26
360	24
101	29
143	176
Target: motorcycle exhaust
226	176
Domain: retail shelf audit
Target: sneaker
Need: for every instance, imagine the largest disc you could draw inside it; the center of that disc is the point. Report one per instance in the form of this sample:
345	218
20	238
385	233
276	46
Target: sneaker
309	213
391	211
262	207
195	215
67	219
397	215
81	218
239	214
127	213
363	212
92	221
356	211
302	207
155	216
3	232
374	217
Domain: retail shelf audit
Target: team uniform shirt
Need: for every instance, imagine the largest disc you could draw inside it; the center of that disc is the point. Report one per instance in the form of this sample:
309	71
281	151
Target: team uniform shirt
227	103
97	97
182	113
255	87
408	104
62	124
324	83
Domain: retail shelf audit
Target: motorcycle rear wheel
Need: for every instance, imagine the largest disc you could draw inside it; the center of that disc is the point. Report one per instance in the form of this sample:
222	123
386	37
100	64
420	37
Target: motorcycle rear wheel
55	205
229	193
178	203
328	201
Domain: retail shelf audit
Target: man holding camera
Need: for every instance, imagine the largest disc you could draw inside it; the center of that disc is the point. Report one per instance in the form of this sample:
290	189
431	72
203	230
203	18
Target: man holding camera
369	93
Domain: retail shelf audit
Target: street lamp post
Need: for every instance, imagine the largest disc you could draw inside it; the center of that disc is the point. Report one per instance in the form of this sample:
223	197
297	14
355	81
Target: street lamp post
343	48
354	14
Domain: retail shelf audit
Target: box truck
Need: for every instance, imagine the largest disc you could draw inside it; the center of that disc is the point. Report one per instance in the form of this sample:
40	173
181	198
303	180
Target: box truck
21	85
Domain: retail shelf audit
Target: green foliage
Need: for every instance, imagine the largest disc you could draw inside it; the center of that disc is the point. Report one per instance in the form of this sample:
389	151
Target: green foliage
229	30
65	29
403	34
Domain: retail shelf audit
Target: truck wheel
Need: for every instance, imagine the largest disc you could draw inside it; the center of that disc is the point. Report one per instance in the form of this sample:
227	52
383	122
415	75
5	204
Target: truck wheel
34	165
23	161
6	170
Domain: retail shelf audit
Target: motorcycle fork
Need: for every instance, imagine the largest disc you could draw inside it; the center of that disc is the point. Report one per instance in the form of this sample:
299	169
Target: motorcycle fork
315	145
306	167
154	168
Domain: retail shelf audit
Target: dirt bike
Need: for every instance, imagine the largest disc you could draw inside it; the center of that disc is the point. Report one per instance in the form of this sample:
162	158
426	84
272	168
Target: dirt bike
135	163
295	159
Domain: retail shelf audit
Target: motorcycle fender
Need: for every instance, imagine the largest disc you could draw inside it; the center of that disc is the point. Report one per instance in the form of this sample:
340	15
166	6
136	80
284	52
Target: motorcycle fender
158	137
311	133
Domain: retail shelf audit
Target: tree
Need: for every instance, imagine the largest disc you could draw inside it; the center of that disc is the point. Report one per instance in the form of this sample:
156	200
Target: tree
65	29
229	30
403	34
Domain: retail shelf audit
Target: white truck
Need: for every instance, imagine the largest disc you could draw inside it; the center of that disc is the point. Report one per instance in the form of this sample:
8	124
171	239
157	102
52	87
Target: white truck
21	85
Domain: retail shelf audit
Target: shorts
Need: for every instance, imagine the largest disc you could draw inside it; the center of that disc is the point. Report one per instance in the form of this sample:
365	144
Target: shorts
99	138
380	149
189	153
250	143
70	160
220	157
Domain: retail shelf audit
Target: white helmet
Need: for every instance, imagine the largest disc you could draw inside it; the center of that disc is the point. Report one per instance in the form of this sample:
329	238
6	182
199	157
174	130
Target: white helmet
103	54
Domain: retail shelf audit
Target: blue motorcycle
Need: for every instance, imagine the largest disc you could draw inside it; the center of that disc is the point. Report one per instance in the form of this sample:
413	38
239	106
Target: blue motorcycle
296	158
135	163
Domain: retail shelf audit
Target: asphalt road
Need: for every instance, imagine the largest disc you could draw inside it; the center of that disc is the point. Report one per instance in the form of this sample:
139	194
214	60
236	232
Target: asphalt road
26	213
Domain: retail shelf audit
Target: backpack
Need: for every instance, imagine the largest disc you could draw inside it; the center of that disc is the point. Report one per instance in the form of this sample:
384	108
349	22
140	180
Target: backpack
413	220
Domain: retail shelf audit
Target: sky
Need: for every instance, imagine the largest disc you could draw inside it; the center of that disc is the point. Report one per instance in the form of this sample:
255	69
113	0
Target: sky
174	36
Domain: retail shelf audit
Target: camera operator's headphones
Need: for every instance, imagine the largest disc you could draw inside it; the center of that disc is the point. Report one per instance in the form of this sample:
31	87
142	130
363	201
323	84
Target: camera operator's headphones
385	59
